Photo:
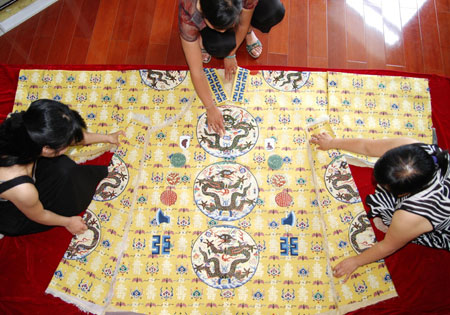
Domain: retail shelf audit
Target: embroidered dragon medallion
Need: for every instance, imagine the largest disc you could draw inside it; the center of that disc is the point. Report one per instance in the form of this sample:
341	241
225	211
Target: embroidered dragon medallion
225	257
241	133
116	181
360	233
225	191
339	181
162	80
286	81
82	245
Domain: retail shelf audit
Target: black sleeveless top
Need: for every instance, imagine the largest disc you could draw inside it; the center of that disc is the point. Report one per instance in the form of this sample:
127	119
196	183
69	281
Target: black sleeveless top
14	182
64	188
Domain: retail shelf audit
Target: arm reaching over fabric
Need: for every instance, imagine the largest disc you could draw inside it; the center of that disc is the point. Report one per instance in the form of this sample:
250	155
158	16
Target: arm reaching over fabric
404	228
193	55
91	138
26	198
369	147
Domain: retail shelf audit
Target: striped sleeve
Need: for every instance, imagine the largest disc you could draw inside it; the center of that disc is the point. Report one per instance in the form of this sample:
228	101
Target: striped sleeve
381	204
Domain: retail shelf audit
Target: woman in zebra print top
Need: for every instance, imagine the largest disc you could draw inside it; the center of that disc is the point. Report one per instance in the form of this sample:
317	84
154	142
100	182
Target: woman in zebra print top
412	199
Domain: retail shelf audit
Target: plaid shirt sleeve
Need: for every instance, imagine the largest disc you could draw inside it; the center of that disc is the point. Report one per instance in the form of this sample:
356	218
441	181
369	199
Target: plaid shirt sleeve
188	30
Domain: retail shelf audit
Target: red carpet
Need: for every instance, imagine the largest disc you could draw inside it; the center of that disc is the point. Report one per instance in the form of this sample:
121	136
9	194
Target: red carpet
421	275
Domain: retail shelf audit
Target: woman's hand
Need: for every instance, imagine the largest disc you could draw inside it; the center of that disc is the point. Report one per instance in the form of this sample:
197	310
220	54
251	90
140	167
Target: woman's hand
323	140
76	225
215	120
346	267
113	138
230	65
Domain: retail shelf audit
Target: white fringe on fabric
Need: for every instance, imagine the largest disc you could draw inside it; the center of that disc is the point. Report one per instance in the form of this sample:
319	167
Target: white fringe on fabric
360	305
81	304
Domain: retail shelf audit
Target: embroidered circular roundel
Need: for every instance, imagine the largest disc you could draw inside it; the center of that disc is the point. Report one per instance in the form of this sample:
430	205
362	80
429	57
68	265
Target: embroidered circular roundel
339	181
225	257
168	197
178	159
116	181
284	199
241	133
360	233
162	80
275	162
278	180
82	245
225	191
287	81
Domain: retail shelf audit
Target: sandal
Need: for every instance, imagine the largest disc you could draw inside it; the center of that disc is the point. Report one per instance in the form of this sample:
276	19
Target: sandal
253	46
206	57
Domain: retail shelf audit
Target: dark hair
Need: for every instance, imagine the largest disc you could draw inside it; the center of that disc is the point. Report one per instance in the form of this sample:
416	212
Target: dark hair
408	168
44	123
222	14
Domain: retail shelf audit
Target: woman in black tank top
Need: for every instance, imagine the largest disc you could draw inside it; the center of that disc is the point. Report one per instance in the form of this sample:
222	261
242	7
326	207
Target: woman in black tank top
39	186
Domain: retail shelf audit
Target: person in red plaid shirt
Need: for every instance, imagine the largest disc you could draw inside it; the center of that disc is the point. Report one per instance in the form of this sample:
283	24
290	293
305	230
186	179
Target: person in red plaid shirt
217	28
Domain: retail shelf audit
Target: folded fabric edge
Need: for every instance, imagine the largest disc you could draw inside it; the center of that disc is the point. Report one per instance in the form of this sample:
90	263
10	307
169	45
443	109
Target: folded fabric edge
356	161
321	119
360	305
146	120
84	157
84	306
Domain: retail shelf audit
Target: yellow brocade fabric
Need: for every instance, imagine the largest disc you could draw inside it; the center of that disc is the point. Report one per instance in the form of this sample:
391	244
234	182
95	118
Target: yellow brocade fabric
190	223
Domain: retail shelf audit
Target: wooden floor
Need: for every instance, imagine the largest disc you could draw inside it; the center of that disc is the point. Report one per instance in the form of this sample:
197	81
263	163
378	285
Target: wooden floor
405	35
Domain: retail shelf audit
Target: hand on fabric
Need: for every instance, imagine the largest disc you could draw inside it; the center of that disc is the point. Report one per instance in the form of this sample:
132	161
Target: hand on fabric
323	140
76	225
113	138
215	120
346	267
230	65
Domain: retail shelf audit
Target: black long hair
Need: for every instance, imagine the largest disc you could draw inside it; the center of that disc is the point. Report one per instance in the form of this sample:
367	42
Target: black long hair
44	123
408	168
222	14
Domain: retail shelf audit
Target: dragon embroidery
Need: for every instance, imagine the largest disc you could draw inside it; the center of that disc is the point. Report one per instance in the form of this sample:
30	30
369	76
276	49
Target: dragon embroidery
361	224
157	76
290	78
337	177
233	126
287	77
212	188
79	246
117	178
236	254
